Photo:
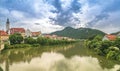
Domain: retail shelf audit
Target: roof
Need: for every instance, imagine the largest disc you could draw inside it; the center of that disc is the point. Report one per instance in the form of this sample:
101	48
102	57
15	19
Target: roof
111	37
36	33
3	33
22	30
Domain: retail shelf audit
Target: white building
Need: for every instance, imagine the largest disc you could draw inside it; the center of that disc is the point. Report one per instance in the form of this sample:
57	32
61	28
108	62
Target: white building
28	33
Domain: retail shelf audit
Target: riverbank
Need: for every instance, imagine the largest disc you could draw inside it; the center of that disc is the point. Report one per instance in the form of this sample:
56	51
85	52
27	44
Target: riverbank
1	47
38	42
74	54
108	49
23	45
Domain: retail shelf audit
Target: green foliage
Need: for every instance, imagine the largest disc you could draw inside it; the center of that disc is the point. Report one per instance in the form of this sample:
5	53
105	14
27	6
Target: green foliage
15	38
111	54
42	40
117	43
81	33
17	46
29	40
1	69
47	41
110	49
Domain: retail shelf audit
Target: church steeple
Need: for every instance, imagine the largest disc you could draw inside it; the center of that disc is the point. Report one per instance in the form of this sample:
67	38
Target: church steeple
7	26
7	20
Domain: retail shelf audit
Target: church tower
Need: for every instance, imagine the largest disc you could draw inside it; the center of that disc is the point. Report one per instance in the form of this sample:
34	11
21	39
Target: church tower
7	26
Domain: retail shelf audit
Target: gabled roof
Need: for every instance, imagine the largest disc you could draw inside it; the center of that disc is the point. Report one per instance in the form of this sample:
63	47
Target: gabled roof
36	33
3	33
22	30
111	37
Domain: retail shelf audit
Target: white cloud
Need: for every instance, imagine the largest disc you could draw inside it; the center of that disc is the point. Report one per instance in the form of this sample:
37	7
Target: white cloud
66	4
4	11
42	13
110	24
43	9
43	25
58	62
17	14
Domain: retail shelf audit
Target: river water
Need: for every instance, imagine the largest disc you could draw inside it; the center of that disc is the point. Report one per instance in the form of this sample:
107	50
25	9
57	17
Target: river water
72	57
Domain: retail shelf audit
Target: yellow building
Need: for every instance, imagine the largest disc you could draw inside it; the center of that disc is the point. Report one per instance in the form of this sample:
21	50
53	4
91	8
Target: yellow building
3	36
18	30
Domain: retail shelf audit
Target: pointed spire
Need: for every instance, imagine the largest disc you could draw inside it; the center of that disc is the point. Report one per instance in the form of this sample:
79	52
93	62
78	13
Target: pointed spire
7	20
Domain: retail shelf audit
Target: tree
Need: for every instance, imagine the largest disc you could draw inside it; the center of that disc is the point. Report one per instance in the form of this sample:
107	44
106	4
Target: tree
117	43
15	38
30	40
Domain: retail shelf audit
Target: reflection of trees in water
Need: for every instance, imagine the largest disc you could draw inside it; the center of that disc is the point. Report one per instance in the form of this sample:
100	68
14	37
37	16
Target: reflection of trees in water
26	54
1	69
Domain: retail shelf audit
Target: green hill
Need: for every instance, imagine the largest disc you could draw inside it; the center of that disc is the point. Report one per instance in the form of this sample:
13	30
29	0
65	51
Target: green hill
81	33
116	33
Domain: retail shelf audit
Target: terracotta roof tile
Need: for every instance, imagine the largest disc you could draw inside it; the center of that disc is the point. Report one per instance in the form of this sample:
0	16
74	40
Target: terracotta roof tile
17	30
3	33
111	37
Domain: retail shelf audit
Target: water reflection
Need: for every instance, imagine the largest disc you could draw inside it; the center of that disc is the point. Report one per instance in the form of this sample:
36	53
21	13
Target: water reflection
1	69
58	58
57	62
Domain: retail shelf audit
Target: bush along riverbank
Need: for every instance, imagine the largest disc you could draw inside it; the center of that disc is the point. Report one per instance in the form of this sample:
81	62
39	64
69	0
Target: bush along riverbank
109	49
17	41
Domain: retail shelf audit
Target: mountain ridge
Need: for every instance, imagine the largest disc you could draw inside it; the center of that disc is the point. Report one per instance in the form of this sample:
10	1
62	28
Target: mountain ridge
80	33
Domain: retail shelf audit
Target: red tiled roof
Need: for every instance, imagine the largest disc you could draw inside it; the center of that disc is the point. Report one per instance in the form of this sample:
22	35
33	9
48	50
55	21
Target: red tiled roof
3	33
17	30
36	33
111	37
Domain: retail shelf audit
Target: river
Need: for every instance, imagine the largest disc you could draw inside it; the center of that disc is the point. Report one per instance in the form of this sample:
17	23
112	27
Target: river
73	57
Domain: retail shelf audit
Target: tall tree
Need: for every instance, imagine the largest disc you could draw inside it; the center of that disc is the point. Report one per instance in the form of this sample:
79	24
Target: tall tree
15	38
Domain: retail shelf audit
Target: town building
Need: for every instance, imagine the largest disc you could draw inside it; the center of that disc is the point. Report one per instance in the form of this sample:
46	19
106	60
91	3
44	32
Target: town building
8	26
109	37
36	34
3	36
28	33
18	30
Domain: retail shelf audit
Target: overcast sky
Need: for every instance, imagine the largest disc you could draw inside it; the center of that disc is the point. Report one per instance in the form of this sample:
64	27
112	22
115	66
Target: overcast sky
51	15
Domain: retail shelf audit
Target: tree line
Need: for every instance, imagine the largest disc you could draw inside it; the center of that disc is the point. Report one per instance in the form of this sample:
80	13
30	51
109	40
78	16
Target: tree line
109	49
18	41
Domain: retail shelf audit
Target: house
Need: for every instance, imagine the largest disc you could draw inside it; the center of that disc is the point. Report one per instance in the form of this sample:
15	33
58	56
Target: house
51	36
36	34
3	35
28	33
18	30
118	35
109	37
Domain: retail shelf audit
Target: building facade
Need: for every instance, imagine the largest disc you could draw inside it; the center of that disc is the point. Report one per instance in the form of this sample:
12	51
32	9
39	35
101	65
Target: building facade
3	36
18	30
109	37
8	27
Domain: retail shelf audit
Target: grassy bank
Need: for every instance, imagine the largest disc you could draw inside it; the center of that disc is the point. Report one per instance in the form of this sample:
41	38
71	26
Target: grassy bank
40	41
109	49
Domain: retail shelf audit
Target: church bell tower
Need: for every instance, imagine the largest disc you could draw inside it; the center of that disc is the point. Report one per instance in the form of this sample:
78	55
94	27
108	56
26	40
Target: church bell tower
7	26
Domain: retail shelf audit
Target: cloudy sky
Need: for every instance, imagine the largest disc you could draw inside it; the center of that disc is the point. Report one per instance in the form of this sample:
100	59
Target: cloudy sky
51	15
